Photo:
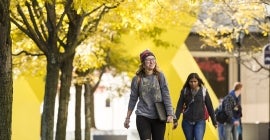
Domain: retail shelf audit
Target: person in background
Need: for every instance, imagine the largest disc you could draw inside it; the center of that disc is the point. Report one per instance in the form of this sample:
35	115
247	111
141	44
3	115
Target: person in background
221	132
149	82
191	103
233	109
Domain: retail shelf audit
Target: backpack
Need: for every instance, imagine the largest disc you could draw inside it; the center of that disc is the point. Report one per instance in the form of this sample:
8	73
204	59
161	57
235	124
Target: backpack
220	113
206	114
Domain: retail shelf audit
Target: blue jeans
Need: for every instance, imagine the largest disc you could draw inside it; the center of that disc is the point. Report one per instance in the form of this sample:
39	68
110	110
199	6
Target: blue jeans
231	132
221	133
193	130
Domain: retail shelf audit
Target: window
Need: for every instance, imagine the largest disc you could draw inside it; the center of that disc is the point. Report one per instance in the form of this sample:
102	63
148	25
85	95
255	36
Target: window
215	70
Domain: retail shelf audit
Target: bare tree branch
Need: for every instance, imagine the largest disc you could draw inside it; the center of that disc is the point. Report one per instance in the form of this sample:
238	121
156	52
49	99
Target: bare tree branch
34	23
28	30
38	12
261	66
27	53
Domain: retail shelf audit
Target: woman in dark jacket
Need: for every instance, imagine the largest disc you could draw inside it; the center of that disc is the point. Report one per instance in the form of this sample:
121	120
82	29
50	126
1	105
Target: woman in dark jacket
192	102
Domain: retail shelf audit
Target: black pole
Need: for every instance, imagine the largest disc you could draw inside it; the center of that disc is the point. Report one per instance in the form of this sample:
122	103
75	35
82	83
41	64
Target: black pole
239	41
239	80
239	64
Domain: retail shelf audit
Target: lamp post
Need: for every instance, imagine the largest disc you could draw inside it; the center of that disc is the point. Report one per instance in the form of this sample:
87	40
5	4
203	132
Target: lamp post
239	43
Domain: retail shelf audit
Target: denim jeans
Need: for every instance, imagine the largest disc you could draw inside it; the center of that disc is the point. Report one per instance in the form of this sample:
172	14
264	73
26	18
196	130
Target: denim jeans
221	133
150	129
193	130
231	132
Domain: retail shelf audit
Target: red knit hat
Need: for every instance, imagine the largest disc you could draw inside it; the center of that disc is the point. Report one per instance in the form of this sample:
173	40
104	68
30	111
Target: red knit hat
145	54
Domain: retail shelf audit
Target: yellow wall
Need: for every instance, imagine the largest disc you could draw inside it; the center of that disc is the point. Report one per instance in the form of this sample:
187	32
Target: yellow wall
27	97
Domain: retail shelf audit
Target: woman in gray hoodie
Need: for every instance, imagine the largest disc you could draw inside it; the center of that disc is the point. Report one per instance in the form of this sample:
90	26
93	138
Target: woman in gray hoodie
147	87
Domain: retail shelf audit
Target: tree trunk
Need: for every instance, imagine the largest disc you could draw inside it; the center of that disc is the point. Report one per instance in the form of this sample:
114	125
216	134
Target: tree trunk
51	86
78	131
92	110
6	82
66	77
87	105
91	97
75	23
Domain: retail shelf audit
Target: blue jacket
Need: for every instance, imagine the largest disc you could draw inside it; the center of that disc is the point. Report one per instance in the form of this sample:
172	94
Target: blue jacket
232	107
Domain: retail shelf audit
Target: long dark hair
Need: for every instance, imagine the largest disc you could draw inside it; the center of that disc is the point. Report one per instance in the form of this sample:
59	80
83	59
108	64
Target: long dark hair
190	76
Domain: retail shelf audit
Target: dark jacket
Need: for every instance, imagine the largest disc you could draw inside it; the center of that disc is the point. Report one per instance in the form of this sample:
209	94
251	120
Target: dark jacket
193	108
232	107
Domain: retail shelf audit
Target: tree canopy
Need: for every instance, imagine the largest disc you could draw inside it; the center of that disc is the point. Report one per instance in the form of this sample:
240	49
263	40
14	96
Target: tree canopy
220	23
60	28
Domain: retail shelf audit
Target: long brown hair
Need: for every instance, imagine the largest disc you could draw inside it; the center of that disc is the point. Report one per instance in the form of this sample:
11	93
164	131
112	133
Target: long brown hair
141	71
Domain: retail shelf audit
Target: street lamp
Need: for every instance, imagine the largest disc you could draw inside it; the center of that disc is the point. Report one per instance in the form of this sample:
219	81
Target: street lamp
239	42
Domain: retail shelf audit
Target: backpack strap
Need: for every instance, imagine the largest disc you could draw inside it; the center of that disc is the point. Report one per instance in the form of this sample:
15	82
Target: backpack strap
205	108
185	91
204	92
138	81
138	84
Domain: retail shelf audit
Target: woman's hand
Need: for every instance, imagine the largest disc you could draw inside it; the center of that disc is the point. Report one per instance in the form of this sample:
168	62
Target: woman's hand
169	119
216	125
175	124
126	123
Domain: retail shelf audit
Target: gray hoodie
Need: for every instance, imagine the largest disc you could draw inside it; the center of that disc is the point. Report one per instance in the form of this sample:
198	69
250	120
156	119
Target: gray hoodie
148	92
